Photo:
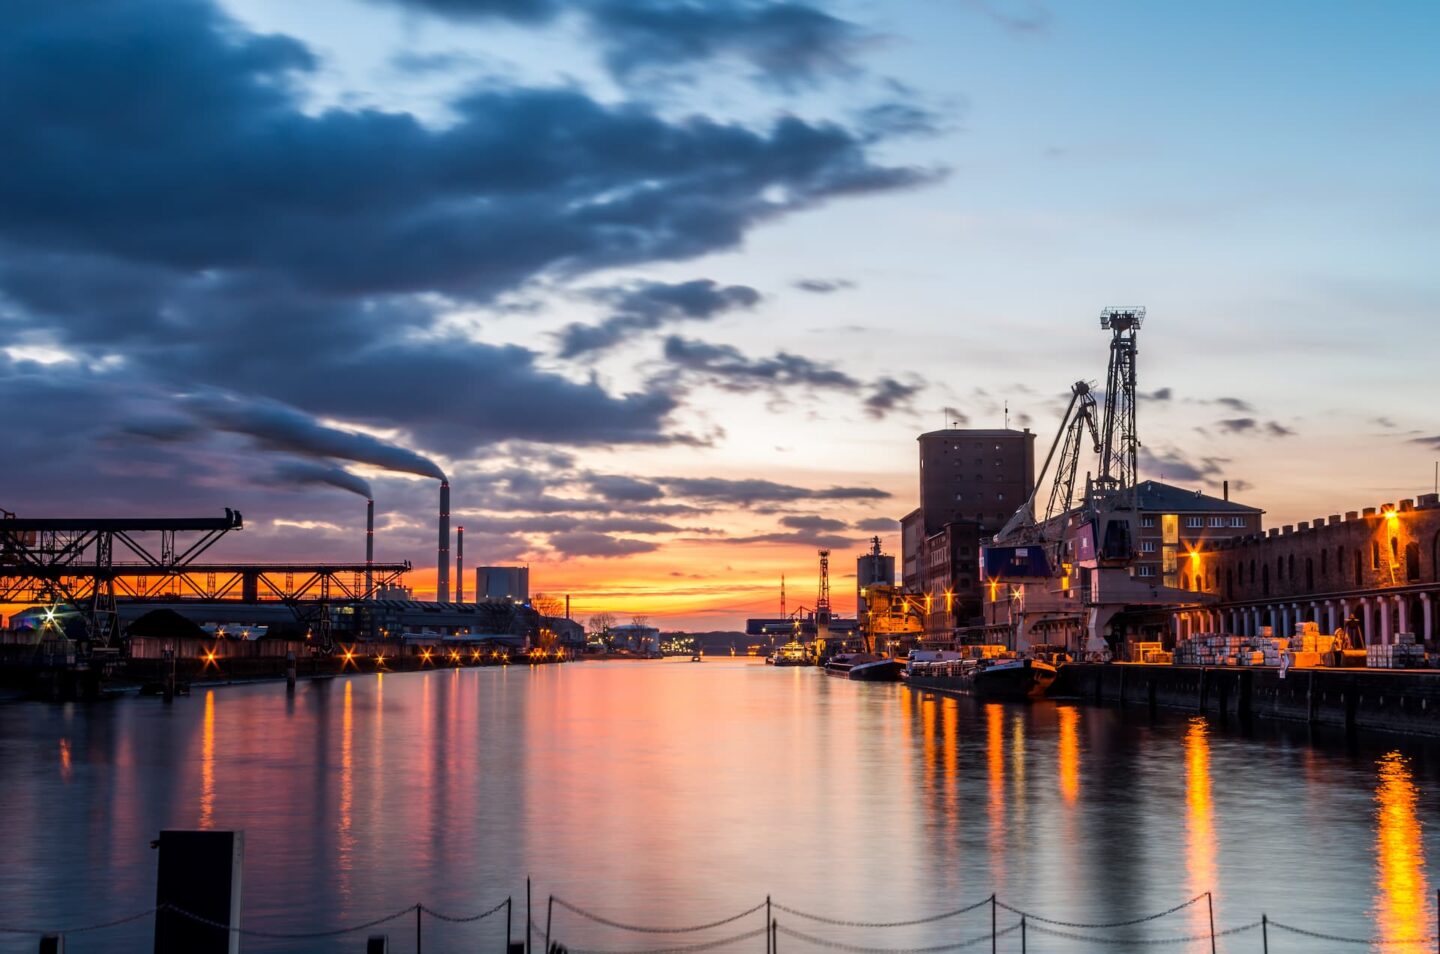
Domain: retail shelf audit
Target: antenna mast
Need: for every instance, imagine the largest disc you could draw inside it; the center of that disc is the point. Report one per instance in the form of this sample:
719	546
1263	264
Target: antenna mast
783	614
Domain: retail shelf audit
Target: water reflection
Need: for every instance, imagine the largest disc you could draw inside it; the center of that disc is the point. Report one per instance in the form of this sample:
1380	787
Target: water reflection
207	763
65	767
995	762
346	844
1069	752
1401	889
1199	818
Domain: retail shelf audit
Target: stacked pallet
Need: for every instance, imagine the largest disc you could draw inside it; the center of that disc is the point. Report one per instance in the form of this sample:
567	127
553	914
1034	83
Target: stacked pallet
1403	654
1214	649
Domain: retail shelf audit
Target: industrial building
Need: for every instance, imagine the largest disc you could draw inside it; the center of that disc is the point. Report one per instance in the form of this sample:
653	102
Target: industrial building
1378	569
502	583
971	481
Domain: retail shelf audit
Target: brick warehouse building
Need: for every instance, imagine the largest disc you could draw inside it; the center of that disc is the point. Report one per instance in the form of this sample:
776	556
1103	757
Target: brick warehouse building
1380	566
971	482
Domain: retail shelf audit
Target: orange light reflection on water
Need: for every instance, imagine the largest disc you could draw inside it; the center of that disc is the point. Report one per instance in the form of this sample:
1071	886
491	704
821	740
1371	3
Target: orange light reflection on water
995	763
1199	818
207	763
1069	753
1401	888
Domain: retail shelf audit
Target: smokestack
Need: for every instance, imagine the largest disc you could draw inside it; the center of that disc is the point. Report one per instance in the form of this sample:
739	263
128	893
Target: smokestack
567	605
442	559
369	548
1227	489
459	564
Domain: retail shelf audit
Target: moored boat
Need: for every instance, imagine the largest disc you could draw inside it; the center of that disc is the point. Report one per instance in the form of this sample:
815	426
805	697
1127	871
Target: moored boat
1010	678
865	667
791	654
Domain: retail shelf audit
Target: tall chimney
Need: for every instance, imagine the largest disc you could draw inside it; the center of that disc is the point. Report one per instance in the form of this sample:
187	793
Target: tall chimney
459	564
369	548
442	559
1227	489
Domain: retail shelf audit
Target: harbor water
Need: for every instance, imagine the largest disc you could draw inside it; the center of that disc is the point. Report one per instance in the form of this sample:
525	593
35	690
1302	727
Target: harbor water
661	793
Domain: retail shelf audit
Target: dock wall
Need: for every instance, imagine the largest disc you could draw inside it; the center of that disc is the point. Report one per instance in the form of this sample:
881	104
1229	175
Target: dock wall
1393	701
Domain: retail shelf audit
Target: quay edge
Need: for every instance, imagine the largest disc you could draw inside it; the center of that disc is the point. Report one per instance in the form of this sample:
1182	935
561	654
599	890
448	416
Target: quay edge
1406	701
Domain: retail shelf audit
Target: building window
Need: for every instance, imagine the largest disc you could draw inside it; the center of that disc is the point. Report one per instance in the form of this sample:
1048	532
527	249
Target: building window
1217	521
1374	555
1147	521
1000	496
1194	523
1147	546
1237	522
959	496
1145	569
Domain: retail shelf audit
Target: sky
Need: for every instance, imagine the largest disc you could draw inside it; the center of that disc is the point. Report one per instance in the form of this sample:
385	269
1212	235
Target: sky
668	288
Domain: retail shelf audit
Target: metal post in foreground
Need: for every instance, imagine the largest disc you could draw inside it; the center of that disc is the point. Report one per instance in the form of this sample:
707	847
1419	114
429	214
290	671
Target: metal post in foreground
768	919
1265	934
52	944
993	936
549	914
509	910
378	944
529	919
1210	903
774	937
419	908
1022	934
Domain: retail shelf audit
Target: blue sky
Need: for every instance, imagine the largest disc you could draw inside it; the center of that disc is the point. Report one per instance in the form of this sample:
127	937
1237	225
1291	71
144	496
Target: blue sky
1261	177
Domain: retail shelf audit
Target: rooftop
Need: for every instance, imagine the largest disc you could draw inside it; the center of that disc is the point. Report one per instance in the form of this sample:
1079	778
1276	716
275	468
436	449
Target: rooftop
1167	498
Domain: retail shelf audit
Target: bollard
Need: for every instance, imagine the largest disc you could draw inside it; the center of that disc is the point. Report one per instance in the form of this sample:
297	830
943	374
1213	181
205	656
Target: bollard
378	944
290	671
198	877
52	944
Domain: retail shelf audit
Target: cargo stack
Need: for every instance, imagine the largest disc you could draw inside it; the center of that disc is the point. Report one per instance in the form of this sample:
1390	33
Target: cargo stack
1214	649
1403	654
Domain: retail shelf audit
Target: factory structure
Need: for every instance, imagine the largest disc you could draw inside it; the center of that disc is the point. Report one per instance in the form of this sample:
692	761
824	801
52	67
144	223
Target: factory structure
101	590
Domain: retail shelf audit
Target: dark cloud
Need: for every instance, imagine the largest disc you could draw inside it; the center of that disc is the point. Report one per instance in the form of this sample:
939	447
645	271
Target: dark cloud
953	415
785	41
878	525
1159	394
823	286
753	491
727	367
1233	403
1431	442
171	203
1276	429
888	395
587	543
1238	425
1174	464
622	489
1384	422
799	537
812	522
648	305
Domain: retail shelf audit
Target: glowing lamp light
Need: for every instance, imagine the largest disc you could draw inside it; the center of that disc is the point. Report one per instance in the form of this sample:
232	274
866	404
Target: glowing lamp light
425	655
349	658
210	657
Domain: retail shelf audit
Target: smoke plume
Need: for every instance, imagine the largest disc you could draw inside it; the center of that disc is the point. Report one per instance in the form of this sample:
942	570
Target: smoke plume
302	472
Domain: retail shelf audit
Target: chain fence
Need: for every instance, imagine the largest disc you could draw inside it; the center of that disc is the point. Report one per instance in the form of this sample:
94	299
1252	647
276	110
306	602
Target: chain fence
1028	922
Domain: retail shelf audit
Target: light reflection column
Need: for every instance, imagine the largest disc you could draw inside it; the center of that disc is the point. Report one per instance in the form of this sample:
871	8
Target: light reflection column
207	763
995	762
1199	820
1401	888
1069	754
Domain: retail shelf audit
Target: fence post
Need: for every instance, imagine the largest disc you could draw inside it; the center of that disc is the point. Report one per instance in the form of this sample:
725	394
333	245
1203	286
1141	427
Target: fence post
767	921
418	909
529	920
1210	903
993	937
549	913
377	944
52	944
774	937
509	909
1022	934
1265	934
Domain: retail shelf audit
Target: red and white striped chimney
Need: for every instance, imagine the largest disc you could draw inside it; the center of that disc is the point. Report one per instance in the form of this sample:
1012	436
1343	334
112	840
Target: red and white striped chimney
369	548
442	559
459	564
